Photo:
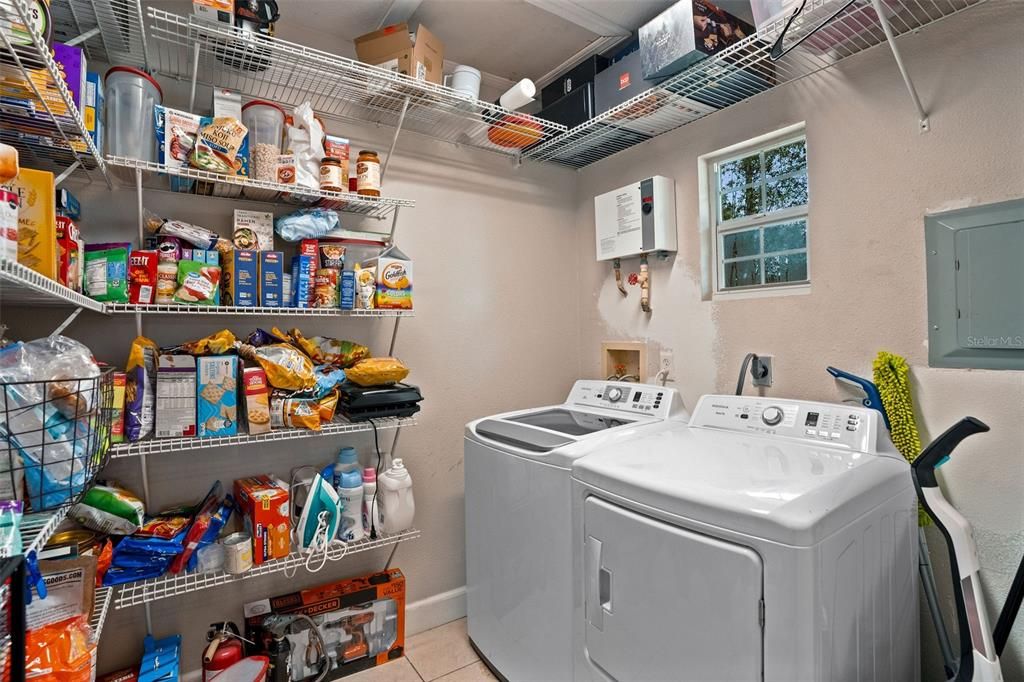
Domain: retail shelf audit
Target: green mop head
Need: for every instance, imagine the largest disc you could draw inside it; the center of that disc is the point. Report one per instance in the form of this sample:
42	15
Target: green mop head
892	376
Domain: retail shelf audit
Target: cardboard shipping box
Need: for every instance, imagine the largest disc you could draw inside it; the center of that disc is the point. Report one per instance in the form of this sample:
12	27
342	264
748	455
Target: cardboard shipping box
393	49
263	503
37	221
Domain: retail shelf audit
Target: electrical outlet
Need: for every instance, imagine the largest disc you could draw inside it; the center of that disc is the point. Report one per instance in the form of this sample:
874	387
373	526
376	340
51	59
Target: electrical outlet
763	374
667	364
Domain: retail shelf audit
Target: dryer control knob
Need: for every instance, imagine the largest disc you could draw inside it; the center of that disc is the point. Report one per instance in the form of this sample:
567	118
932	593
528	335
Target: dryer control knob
772	416
613	394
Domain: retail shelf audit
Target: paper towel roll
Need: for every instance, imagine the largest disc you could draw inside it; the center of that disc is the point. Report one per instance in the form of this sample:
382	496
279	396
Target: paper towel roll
519	95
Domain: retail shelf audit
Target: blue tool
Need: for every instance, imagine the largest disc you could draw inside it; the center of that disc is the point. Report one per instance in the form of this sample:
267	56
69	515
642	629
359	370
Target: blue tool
873	398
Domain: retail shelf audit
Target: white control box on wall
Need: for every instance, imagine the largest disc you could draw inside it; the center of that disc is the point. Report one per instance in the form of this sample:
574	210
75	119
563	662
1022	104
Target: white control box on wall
635	219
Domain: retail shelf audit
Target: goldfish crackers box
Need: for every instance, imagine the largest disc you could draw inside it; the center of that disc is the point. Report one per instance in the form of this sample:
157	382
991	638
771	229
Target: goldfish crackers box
263	503
394	280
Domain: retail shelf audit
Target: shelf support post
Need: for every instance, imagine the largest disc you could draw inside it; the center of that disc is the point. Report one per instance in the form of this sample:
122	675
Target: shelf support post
195	76
67	322
394	140
83	37
67	173
922	115
394	226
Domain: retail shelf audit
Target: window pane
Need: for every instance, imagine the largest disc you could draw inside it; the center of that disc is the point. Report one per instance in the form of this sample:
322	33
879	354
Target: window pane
786	193
791	268
741	203
739	244
742	273
785	159
736	174
785	237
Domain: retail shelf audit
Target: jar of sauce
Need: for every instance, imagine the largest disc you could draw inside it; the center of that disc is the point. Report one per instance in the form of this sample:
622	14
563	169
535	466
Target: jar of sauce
331	174
368	174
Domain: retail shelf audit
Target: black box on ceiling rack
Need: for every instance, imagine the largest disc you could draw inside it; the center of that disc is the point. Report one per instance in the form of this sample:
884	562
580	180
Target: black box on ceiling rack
621	81
573	79
575	108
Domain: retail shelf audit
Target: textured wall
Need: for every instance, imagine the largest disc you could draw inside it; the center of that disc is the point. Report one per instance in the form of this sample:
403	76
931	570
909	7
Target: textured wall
872	179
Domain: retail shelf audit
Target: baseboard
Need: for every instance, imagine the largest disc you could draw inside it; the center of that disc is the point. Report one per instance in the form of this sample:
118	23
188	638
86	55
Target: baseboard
437	610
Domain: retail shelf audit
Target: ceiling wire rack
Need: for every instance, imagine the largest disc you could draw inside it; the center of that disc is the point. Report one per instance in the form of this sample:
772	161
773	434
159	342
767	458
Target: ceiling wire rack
39	115
109	31
155	589
344	202
179	445
189	48
742	71
180	308
20	285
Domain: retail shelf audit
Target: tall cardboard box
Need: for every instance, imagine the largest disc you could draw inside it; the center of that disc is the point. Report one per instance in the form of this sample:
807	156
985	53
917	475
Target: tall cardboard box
37	221
393	49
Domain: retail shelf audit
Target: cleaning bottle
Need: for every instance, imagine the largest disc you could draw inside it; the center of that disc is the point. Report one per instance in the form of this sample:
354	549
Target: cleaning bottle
396	503
350	491
348	460
369	504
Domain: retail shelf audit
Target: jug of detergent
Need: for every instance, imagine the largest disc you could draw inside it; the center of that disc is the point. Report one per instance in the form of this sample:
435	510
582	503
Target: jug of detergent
394	495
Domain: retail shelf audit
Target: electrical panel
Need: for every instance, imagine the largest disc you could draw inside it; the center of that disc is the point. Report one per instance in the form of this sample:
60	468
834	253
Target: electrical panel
636	219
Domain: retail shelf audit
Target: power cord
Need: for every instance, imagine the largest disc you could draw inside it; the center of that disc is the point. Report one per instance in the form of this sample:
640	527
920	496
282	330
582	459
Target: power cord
757	370
371	513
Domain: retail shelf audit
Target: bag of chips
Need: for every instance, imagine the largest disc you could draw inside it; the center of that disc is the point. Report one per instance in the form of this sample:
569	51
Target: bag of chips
377	371
287	367
197	283
106	272
327	351
60	652
219	343
140	389
110	510
294	413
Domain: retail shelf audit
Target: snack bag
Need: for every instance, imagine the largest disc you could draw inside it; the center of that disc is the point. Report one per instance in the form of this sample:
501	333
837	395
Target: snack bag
219	343
217	145
366	287
197	283
142	277
111	510
140	389
295	413
328	377
377	371
327	351
106	272
60	652
327	405
287	367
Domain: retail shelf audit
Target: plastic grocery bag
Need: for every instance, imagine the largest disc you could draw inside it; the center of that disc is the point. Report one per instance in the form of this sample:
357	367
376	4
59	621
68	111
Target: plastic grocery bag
305	140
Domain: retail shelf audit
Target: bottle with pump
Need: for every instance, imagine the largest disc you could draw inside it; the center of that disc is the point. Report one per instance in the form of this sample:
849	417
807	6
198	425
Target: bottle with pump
397	507
369	504
348	460
350	491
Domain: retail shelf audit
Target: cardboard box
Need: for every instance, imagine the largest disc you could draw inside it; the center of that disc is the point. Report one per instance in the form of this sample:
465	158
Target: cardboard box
302	282
686	33
175	396
67	205
176	133
263	503
120	380
255	228
93	112
393	280
257	399
245	278
37	221
217	395
393	49
69	254
362	619
71	63
339	148
348	289
272	279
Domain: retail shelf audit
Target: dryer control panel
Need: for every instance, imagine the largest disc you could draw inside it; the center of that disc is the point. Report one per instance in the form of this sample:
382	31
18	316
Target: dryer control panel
639	399
845	425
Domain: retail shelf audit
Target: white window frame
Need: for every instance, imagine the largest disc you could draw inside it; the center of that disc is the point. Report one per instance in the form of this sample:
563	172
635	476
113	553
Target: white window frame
713	230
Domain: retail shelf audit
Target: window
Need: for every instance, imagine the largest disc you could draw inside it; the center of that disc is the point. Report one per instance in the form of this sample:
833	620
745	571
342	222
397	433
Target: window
758	212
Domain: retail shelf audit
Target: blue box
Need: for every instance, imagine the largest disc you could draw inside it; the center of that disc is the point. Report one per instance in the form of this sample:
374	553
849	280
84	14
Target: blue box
217	395
67	204
302	284
213	258
93	112
244	279
348	289
271	279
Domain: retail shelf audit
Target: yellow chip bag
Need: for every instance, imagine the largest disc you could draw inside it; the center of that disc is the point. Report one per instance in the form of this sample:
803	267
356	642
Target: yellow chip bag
215	344
377	371
327	405
327	351
287	368
295	413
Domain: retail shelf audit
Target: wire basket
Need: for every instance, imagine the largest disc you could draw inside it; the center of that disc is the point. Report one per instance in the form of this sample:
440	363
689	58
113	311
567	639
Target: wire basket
54	438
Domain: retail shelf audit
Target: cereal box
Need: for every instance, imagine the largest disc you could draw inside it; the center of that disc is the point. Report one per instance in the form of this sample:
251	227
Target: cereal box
271	279
117	416
37	224
175	396
257	399
263	503
217	402
69	247
244	278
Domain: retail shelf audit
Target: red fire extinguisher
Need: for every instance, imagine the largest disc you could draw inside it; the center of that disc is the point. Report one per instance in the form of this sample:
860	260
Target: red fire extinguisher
225	648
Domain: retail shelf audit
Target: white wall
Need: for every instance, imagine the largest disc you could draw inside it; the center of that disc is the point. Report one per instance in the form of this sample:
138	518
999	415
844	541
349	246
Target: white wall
872	179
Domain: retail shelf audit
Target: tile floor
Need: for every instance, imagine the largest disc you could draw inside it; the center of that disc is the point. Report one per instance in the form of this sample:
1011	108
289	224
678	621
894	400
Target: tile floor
441	654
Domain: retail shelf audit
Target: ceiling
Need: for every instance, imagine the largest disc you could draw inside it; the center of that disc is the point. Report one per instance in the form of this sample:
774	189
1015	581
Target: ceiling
509	39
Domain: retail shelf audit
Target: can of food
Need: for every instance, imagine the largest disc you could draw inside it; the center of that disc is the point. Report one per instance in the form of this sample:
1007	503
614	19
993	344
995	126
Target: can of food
237	552
84	541
8	225
325	288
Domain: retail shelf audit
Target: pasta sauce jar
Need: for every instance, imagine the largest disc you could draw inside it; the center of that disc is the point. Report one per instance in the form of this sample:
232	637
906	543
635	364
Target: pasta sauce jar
331	174
368	174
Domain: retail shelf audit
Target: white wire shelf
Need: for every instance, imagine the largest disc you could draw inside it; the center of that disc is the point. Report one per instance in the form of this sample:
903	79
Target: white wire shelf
38	112
259	190
176	445
20	285
101	600
155	589
184	308
740	72
277	70
109	31
37	528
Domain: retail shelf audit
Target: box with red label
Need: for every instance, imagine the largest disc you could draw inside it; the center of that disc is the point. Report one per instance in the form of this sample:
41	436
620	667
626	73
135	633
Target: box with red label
263	502
69	249
142	277
257	399
362	621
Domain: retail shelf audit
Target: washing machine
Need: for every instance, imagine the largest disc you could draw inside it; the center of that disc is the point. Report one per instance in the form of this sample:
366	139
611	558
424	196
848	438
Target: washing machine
519	518
766	540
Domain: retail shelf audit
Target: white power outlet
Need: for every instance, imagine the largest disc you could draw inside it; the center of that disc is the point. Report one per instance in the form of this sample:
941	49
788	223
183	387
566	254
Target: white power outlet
667	364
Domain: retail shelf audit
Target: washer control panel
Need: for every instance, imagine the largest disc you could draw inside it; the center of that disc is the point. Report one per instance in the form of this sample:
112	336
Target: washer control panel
622	396
852	426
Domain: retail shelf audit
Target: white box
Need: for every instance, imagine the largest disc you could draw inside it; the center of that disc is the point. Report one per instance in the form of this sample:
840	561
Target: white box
176	396
260	223
635	219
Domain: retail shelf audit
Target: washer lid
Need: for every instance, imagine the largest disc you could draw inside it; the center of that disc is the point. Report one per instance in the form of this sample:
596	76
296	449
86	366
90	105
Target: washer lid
789	492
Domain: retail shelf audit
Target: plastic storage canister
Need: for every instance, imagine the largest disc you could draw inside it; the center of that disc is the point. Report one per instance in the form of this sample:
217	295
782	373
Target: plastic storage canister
397	506
265	121
351	493
130	97
369	501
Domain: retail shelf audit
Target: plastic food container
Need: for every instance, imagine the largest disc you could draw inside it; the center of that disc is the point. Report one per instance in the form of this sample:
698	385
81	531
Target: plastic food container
130	97
265	121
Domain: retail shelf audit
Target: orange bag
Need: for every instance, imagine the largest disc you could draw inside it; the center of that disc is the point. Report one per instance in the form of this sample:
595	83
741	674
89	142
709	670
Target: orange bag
60	652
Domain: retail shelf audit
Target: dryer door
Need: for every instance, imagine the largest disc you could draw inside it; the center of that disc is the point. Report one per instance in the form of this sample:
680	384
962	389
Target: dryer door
663	603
